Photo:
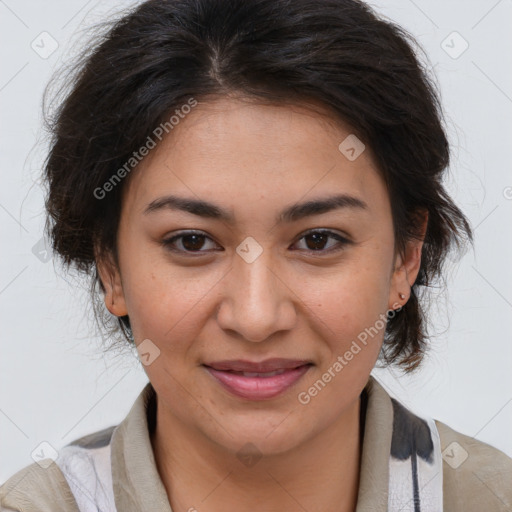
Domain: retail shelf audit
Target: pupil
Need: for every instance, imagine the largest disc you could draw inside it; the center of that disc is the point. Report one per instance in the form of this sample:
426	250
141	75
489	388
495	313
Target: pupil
193	246
318	238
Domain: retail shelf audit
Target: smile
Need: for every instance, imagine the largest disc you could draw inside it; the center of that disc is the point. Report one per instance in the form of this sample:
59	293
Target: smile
258	385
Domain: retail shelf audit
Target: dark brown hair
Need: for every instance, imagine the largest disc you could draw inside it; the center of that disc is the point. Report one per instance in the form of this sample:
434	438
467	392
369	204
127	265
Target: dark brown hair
337	53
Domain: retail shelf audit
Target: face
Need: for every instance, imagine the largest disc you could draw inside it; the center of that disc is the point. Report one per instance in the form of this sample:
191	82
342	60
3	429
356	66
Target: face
257	274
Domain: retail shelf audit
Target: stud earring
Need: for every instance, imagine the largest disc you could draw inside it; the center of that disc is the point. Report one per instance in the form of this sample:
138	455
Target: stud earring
402	295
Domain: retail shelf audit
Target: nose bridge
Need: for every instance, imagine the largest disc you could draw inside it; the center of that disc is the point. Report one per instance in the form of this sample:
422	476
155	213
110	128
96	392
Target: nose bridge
256	303
257	279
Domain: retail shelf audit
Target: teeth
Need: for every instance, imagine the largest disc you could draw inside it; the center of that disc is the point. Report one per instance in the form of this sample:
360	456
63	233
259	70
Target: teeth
267	374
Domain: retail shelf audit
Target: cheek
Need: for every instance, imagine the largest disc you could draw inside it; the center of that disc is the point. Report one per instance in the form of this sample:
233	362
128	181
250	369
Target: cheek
349	316
353	296
164	301
349	310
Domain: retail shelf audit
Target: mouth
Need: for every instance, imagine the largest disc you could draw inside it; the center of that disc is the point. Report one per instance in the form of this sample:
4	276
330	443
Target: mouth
258	381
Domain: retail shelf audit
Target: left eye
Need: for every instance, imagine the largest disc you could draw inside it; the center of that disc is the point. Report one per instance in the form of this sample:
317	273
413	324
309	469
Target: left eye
315	241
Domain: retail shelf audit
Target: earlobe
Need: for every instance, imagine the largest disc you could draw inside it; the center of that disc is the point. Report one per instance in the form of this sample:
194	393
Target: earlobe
400	286
407	267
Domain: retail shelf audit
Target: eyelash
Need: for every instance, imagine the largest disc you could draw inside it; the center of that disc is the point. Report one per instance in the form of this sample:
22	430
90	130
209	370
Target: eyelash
167	243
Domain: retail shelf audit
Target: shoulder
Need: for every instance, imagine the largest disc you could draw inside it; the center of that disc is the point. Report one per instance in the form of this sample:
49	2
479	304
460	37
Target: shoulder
44	485
36	488
476	476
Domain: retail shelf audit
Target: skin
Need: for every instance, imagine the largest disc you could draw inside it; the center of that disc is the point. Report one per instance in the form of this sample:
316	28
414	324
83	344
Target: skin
255	160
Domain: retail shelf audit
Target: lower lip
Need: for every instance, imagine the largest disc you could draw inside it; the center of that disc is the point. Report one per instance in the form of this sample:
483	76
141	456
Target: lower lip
258	388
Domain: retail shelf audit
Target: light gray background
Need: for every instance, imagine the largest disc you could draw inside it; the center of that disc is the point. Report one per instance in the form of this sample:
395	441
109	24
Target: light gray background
56	385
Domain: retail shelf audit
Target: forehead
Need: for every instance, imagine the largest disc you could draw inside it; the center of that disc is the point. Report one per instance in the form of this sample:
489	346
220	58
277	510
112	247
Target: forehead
243	151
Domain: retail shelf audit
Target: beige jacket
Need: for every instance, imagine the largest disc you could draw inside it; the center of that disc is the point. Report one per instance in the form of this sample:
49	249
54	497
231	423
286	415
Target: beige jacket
482	482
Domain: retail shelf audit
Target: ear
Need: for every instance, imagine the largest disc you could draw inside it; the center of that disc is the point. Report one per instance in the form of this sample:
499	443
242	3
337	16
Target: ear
110	276
406	267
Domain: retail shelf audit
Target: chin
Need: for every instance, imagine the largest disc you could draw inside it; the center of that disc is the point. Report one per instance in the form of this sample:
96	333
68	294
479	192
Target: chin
263	437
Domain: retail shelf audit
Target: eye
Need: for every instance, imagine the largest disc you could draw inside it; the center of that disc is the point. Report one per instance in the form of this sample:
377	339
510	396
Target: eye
190	242
316	241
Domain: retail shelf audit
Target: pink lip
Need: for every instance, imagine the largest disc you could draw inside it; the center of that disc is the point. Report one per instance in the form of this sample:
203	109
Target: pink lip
258	388
268	365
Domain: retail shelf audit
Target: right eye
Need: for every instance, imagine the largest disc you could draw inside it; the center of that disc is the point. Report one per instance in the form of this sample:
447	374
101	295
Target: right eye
190	242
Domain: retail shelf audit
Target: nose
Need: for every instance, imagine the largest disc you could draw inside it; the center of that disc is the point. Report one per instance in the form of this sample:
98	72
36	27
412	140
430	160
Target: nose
256	301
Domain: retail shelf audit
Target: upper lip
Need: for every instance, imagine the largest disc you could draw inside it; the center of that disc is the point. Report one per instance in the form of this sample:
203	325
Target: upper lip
268	365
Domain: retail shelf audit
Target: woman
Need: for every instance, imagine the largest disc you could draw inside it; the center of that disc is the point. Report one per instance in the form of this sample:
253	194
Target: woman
256	187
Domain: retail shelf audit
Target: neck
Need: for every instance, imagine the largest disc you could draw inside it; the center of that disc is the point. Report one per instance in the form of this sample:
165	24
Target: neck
322	474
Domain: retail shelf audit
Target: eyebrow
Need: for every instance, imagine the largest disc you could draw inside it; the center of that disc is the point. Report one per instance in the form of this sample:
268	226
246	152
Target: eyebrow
292	213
